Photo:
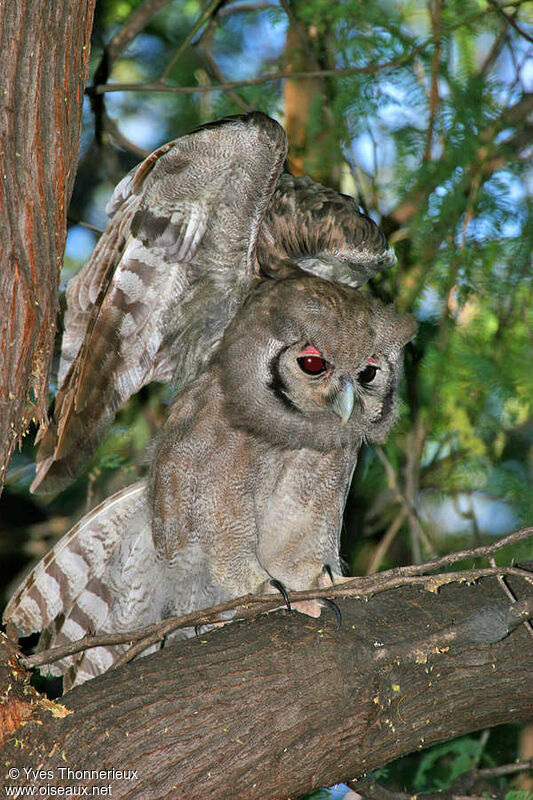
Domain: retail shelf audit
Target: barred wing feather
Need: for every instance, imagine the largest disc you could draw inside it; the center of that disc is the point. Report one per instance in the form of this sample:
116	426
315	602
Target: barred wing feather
91	582
168	274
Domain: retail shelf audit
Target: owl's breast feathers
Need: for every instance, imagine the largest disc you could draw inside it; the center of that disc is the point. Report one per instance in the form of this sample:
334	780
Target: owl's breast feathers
254	509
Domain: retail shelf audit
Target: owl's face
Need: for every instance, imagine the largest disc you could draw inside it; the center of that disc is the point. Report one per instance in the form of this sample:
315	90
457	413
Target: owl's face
308	363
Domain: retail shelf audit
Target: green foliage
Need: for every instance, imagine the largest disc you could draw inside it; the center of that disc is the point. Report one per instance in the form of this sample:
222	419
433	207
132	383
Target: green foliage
440	766
522	794
436	768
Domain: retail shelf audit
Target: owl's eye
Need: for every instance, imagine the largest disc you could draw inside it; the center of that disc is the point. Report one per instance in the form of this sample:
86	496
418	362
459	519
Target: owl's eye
311	361
367	375
312	365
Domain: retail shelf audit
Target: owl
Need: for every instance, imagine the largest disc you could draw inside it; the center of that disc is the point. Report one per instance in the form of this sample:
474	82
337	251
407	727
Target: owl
192	231
249	475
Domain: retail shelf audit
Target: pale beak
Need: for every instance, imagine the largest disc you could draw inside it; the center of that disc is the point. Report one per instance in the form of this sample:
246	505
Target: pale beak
341	400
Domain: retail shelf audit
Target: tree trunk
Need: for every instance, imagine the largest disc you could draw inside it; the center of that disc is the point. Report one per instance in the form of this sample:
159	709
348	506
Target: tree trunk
283	704
314	147
45	59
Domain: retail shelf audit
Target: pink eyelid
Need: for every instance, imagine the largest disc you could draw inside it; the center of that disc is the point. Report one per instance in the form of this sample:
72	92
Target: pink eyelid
311	351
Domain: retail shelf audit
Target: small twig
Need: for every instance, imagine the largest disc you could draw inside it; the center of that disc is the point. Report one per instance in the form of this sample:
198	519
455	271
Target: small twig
511	20
506	769
244	8
483	739
510	594
114	131
386	542
202	19
135	23
87	225
495	49
477	552
372	790
417	529
207	41
434	87
268	77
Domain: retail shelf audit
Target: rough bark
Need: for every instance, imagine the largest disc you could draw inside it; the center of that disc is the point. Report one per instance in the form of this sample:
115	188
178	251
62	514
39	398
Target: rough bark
45	58
283	704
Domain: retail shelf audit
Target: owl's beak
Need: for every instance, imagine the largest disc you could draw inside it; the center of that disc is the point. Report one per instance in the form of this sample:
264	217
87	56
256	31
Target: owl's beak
342	398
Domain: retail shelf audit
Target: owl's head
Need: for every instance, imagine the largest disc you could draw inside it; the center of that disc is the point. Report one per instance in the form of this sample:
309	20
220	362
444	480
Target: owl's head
309	363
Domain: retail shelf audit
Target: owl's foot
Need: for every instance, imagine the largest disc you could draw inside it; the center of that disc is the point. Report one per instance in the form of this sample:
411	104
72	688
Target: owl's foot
330	578
311	608
326	579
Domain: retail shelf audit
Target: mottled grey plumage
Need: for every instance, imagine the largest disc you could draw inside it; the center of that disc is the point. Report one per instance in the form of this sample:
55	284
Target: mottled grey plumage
322	232
249	478
192	230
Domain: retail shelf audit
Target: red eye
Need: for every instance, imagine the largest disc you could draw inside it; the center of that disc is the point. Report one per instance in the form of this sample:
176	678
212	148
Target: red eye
313	365
311	361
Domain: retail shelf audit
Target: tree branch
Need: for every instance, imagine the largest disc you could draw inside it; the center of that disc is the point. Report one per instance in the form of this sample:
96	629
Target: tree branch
284	704
434	87
135	23
202	19
510	20
369	69
252	605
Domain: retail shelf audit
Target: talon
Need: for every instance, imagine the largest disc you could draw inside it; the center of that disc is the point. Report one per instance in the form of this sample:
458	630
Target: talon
281	589
336	610
327	569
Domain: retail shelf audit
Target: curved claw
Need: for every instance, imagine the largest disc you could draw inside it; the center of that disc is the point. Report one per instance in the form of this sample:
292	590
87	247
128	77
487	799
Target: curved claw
327	569
336	610
281	589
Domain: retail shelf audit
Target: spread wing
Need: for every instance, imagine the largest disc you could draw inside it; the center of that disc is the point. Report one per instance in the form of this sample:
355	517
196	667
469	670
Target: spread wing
321	231
171	269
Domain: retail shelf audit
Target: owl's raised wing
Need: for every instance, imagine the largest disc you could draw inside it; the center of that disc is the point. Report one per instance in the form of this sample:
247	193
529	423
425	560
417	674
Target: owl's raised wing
171	269
322	232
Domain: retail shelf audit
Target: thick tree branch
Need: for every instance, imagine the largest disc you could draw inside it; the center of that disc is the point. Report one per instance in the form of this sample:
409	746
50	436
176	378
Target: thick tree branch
283	704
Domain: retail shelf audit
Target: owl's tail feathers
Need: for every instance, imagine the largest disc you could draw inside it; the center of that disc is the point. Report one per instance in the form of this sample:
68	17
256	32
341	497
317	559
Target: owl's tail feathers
68	594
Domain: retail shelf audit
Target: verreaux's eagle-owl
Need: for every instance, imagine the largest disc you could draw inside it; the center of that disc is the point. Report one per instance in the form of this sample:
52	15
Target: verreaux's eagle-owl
193	229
